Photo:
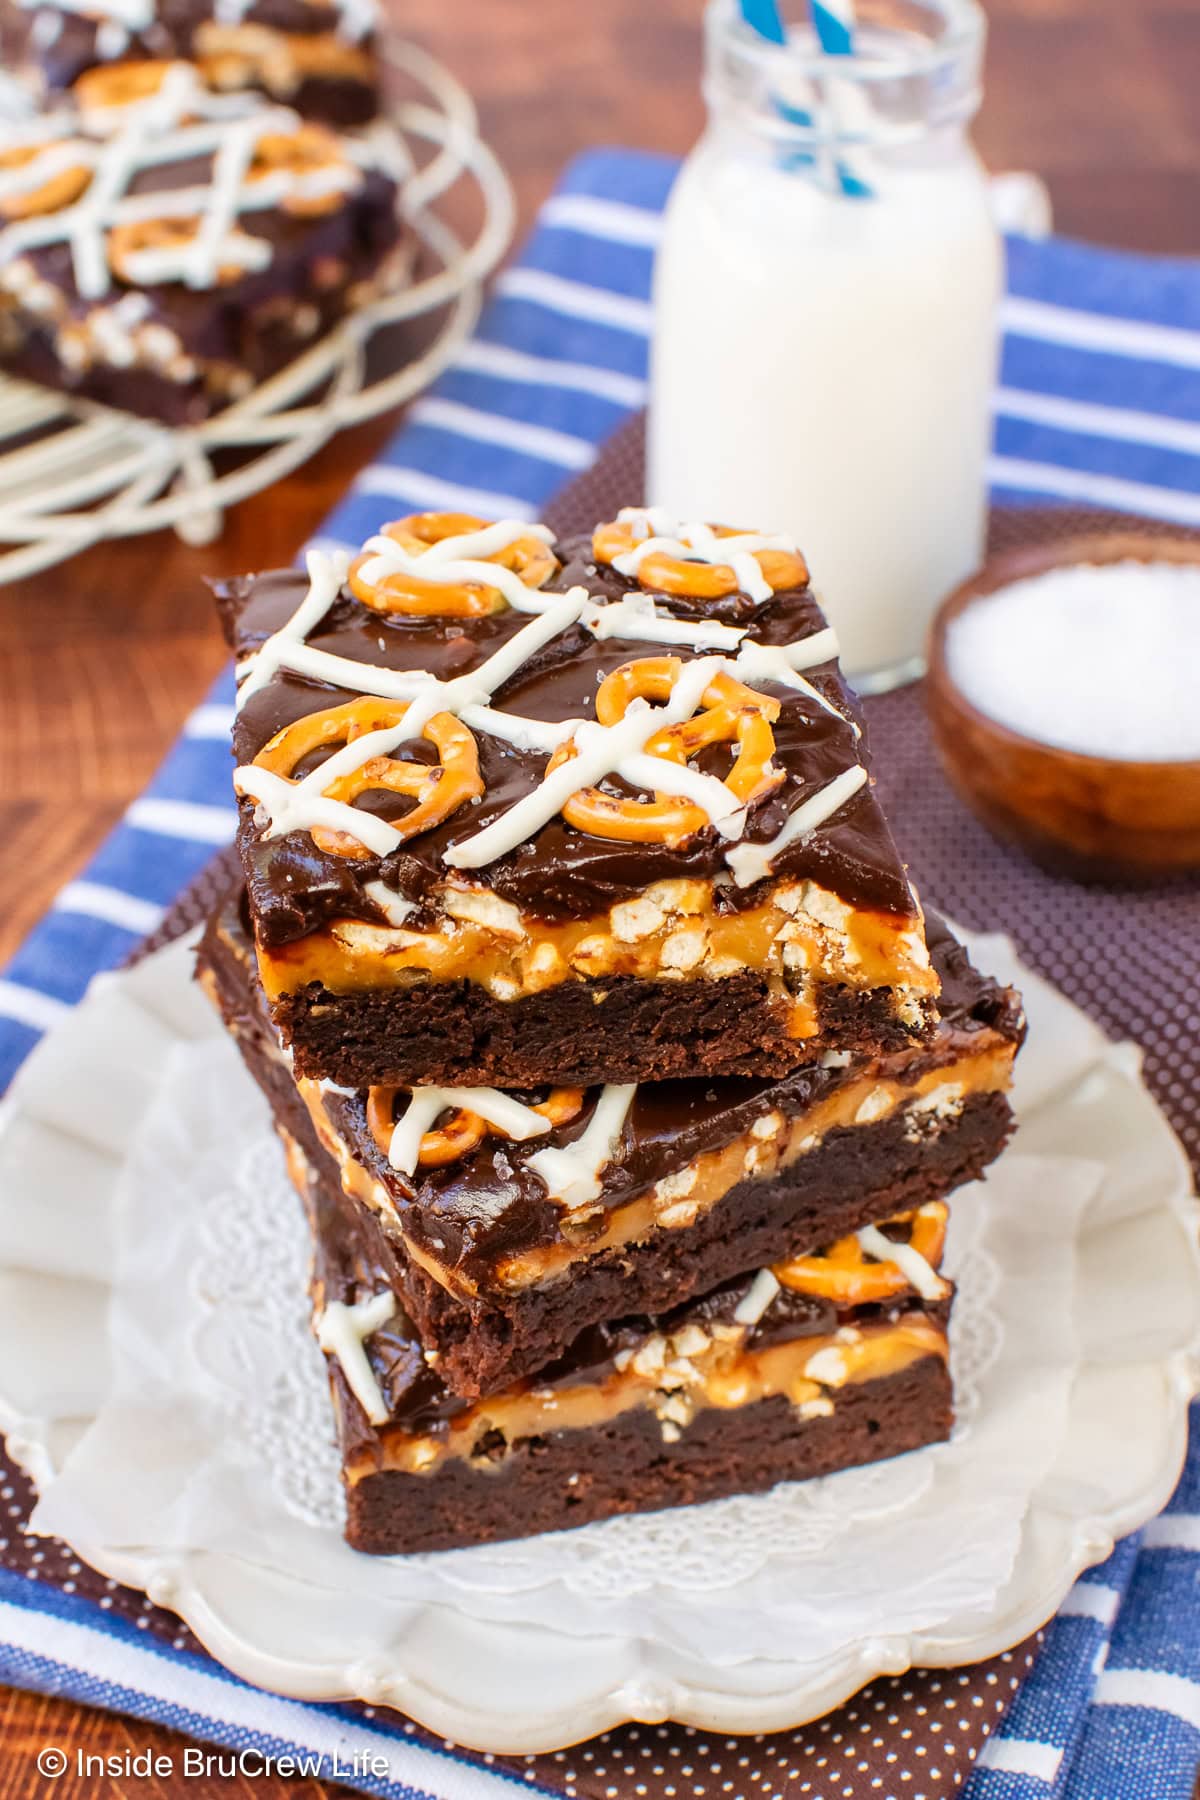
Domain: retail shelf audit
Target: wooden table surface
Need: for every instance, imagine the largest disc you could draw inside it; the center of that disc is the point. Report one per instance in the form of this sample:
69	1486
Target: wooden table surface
101	658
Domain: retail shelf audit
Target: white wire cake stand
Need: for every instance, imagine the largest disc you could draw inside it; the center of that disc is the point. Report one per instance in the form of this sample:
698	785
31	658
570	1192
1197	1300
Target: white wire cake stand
73	474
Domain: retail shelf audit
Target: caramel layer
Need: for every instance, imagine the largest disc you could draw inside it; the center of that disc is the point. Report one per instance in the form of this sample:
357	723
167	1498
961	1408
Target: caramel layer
676	1202
800	936
674	1377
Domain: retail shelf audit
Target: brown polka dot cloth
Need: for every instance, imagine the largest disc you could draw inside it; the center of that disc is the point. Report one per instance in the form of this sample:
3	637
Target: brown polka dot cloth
905	1737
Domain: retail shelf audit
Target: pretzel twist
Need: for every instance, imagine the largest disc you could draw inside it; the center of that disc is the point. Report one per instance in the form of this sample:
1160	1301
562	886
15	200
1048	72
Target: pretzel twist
47	196
232	56
128	241
682	577
733	713
110	86
308	150
845	1274
528	557
463	1131
439	789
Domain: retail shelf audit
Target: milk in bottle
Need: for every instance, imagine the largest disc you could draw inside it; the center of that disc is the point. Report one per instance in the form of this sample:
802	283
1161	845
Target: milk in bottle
823	362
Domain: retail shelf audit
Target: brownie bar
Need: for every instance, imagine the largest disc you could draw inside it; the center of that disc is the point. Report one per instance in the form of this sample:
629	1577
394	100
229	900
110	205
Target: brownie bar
480	1349
153	310
753	1385
705	1181
515	812
317	56
563	1479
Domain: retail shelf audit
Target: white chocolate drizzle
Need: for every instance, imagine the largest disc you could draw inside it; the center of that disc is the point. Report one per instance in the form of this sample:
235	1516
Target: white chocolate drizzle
57	158
342	1331
783	662
355	17
523	734
695	542
299	805
152	134
691	784
326	573
637	616
427	1104
757	1298
637	619
572	1174
46	30
133	15
911	1264
603	750
600	751
187	262
112	40
463	558
751	862
394	907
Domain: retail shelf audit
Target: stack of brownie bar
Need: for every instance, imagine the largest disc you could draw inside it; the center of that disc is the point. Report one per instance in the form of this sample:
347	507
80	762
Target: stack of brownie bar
171	233
621	1076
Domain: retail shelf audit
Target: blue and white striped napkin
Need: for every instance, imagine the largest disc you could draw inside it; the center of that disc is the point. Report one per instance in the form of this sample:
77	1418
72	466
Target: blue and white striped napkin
1099	402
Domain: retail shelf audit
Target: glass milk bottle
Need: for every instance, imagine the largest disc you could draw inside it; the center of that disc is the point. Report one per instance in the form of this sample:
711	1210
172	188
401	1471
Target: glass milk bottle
823	357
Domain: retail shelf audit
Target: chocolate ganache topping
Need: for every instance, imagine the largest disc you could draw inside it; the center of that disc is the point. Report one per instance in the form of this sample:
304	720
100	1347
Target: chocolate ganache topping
559	872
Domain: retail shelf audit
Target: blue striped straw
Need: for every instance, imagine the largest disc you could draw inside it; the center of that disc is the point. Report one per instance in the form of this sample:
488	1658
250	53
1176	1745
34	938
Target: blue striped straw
833	21
763	17
834	26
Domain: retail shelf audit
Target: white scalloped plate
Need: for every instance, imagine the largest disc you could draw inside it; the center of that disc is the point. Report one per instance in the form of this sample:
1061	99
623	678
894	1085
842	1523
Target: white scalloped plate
66	1130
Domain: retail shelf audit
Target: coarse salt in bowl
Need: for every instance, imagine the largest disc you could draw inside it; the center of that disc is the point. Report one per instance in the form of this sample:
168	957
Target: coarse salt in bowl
1064	693
1103	658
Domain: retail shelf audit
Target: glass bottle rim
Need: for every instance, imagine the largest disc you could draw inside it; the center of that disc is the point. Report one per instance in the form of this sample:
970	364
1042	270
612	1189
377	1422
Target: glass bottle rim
911	53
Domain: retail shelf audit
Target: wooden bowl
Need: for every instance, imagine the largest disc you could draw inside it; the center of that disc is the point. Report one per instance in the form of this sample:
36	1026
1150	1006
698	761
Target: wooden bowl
1094	817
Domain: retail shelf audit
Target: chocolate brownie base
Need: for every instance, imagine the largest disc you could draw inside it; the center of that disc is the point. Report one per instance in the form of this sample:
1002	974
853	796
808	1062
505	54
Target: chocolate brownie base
571	1478
855	1178
580	1033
